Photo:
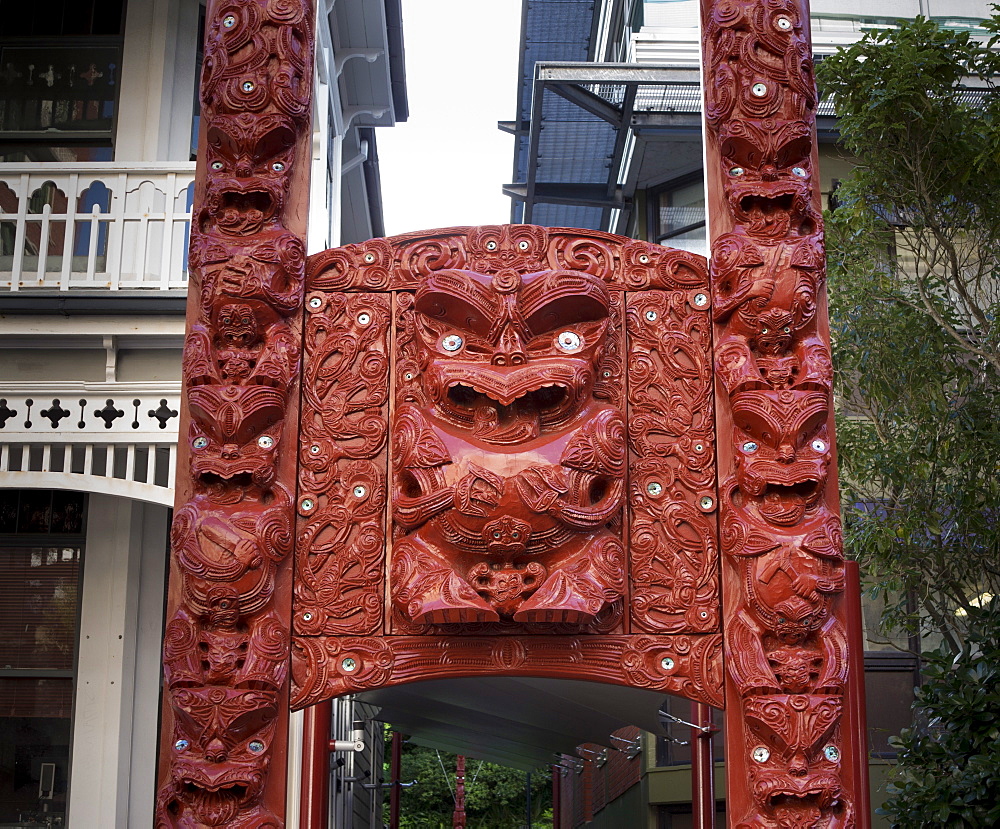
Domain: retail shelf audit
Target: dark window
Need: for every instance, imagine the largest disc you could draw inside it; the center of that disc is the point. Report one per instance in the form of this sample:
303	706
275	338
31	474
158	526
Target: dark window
41	552
60	71
62	17
674	749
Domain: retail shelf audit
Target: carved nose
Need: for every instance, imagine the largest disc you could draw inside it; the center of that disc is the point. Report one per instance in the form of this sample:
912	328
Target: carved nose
509	351
798	767
243	170
769	173
786	453
230	451
215	751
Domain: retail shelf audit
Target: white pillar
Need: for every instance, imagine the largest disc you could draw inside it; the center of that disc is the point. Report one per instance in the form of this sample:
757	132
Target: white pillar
117	687
156	99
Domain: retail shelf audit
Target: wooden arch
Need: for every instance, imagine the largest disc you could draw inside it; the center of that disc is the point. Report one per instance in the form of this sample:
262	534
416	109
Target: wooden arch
508	450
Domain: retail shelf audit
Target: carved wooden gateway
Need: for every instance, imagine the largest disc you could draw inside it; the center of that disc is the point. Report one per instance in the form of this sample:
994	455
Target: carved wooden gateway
507	450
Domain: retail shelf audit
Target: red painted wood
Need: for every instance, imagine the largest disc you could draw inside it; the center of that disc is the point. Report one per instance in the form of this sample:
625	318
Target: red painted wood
224	738
507	456
857	713
458	815
790	753
556	797
702	768
314	796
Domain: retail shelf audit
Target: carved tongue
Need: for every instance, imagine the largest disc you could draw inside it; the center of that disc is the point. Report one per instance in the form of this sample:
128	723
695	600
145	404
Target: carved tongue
217	808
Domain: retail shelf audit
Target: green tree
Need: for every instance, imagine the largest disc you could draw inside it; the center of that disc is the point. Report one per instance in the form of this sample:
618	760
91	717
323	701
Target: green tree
948	764
913	268
914	288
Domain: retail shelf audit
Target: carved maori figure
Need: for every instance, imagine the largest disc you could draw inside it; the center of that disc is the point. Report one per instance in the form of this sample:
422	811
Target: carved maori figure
227	641
507	485
783	572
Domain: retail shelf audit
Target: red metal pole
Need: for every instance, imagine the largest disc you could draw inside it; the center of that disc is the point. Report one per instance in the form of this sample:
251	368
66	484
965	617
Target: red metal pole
702	768
857	714
315	793
395	770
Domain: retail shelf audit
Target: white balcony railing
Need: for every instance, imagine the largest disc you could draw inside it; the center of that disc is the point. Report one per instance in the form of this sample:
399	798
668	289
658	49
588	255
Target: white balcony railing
95	226
115	438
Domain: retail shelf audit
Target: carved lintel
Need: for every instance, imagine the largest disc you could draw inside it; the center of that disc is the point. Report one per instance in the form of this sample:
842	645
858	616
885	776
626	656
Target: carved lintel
688	666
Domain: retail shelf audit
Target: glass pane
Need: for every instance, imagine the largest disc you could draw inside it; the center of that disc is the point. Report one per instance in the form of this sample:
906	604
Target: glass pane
34	750
693	241
681	207
681	218
38	606
33	511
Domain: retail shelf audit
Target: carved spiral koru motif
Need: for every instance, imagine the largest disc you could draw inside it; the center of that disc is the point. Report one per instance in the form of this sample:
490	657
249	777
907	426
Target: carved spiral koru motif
227	642
342	481
674	554
786	647
403	262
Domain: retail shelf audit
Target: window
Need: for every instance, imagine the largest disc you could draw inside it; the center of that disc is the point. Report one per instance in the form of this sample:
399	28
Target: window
677	215
41	551
60	67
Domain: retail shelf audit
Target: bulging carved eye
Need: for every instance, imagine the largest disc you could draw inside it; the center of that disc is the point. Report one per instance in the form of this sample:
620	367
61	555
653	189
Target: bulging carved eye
452	342
818	445
199	443
217	165
569	341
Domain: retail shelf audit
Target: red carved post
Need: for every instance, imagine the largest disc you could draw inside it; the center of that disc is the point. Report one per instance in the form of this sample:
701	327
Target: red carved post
790	752
226	650
458	816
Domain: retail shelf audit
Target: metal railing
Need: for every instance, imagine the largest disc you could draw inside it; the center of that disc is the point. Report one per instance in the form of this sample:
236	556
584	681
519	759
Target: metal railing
95	226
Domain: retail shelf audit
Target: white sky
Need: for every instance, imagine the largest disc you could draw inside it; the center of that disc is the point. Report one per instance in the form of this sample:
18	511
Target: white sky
446	164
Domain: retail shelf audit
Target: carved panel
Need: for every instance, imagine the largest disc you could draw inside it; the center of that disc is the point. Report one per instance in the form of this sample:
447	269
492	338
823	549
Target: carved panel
508	479
672	492
783	571
227	641
523	525
340	553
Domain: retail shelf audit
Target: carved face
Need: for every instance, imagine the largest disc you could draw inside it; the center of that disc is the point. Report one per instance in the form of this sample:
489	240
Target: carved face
782	452
499	351
235	432
249	159
796	668
766	174
222	741
237	325
791	770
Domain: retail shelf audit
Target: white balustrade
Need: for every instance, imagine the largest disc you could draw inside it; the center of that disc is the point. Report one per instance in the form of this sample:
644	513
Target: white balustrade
95	226
116	438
